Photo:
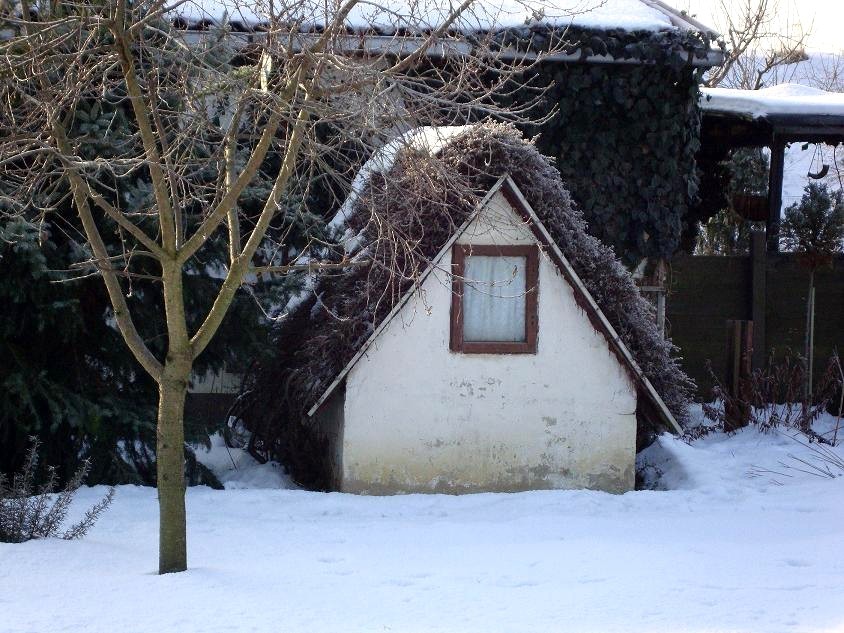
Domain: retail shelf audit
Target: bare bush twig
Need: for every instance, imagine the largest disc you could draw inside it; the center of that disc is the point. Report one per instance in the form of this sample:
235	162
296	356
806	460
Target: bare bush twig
840	400
772	398
28	513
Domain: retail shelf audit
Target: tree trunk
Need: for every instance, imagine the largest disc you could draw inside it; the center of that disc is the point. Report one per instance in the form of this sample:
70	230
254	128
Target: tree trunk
170	465
170	454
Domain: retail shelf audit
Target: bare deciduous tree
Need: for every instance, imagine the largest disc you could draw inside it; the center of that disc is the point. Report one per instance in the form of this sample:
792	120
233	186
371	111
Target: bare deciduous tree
306	97
756	44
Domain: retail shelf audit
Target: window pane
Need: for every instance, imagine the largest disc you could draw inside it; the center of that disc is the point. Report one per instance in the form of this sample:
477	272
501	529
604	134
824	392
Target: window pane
494	298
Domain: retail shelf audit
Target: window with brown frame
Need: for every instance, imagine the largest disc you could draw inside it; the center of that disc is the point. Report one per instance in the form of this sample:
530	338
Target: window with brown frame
494	299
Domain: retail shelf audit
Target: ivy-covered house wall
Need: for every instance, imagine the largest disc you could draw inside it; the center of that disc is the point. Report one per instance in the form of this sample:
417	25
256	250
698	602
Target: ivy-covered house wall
624	139
625	131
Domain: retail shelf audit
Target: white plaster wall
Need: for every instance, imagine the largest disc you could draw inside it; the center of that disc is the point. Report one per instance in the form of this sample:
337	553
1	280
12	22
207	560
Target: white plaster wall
419	417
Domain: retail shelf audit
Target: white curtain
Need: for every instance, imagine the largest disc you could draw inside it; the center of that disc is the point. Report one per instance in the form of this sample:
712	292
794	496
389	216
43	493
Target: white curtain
494	298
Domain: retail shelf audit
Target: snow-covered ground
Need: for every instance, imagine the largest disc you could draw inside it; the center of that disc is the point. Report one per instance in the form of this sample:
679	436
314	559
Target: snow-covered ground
730	548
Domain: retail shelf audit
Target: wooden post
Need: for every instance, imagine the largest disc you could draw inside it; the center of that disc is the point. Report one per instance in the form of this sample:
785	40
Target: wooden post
810	343
657	284
660	312
775	194
660	277
759	297
739	351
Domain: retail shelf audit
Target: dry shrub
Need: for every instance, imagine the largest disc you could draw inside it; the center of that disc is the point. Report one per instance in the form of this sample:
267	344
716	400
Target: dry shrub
772	398
28	511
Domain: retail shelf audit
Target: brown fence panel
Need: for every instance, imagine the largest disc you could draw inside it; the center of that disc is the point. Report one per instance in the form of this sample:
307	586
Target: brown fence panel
706	292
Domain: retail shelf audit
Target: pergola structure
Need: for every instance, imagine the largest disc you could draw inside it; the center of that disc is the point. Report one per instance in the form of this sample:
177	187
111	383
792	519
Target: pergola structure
772	117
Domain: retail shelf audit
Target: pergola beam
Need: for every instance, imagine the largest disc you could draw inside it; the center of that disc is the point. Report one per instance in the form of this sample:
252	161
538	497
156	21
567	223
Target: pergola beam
722	131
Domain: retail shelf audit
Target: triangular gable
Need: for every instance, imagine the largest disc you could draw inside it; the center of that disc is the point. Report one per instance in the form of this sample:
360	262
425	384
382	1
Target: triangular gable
584	299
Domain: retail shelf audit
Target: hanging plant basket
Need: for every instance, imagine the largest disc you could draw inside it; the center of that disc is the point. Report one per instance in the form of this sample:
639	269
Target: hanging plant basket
751	207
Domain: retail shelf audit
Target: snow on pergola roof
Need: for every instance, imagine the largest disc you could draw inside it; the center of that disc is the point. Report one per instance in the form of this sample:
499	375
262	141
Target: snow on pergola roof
771	117
776	101
390	16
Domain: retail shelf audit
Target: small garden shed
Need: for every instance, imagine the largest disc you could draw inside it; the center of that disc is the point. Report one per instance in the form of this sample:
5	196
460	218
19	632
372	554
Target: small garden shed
493	346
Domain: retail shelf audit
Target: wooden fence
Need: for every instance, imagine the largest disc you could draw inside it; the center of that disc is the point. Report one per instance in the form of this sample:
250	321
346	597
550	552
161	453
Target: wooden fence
768	289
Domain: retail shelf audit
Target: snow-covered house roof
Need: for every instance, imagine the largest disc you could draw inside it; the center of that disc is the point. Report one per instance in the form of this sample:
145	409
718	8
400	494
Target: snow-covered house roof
418	188
376	27
789	112
481	16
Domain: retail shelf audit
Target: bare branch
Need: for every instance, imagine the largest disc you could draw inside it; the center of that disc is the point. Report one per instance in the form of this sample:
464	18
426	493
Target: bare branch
118	301
235	275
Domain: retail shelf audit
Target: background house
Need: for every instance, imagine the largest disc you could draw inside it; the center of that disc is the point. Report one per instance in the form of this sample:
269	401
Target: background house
620	110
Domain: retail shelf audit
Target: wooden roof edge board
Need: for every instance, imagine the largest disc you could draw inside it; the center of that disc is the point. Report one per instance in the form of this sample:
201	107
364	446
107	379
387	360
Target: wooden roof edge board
760	131
834	121
405	298
808	120
609	331
680	18
796	133
729	115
